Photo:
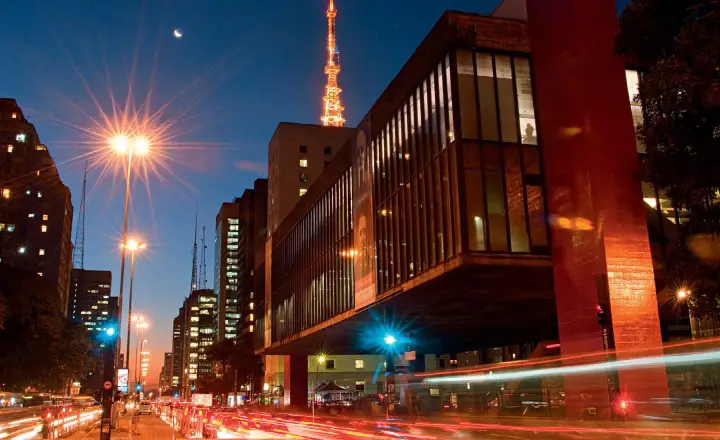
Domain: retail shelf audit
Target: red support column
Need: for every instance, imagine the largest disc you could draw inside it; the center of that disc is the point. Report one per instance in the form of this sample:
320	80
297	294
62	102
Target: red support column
591	169
296	381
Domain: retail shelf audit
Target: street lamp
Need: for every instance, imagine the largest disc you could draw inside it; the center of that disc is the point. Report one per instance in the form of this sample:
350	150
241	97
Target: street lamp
320	360
683	294
133	246
122	145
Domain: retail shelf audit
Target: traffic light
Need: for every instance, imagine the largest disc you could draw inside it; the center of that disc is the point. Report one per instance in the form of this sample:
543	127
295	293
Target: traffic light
138	387
602	316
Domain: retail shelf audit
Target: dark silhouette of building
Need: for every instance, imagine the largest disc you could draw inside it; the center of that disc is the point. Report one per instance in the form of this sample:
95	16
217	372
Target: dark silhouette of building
90	298
35	207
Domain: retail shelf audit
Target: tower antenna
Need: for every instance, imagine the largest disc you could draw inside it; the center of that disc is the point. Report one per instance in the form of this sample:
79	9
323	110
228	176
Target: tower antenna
332	113
193	280
202	276
79	249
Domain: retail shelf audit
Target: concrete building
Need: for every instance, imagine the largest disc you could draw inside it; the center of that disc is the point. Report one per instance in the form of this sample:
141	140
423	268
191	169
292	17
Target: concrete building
297	154
178	345
236	227
166	373
197	332
90	298
437	209
35	207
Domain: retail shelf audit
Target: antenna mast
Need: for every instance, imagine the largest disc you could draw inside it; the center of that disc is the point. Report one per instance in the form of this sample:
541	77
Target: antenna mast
193	280
332	115
79	249
202	276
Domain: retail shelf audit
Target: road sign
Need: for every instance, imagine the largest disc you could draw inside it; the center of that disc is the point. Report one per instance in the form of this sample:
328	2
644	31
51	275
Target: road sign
107	385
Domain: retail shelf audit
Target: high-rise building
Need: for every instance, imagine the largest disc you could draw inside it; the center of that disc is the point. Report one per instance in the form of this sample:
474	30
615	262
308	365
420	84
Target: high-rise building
144	367
297	154
178	345
35	207
236	228
199	333
90	300
166	372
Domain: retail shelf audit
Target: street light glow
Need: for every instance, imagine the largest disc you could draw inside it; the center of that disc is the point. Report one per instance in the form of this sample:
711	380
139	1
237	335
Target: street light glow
142	145
321	359
110	331
683	293
390	340
119	144
134	245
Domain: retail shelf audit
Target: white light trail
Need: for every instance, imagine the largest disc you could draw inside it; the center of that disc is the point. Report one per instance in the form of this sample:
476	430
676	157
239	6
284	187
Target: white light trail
643	362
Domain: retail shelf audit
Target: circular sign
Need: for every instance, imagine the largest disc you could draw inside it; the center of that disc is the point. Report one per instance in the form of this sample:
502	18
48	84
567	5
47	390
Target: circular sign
107	384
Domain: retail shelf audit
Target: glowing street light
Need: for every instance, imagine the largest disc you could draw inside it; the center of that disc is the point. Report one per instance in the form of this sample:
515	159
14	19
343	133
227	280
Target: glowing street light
389	340
683	294
123	145
133	246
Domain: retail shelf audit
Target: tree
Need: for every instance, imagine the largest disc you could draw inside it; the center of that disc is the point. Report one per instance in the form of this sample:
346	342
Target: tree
679	44
39	348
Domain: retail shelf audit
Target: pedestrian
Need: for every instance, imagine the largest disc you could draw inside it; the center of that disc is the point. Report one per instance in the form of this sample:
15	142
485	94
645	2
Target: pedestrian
135	422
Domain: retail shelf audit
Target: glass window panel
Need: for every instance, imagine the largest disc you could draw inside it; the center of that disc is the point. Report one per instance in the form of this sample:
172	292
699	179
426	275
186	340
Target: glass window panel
450	129
536	211
633	84
422	238
442	107
519	241
506	99
466	89
438	211
446	205
434	114
495	198
428	142
420	144
475	208
526	107
486	95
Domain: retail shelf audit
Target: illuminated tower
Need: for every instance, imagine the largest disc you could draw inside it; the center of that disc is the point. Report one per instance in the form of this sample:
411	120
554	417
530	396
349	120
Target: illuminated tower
332	115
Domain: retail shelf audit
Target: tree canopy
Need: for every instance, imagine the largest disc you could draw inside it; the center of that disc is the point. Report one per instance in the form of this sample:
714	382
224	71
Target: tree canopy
39	348
677	45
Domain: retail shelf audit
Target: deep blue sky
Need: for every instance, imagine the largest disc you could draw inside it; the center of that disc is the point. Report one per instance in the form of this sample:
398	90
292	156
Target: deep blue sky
240	68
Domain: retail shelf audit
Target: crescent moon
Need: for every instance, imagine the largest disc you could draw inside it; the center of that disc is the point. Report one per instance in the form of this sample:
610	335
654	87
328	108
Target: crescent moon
177	33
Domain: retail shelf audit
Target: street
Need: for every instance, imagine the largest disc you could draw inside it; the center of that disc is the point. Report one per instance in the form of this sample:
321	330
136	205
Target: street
150	428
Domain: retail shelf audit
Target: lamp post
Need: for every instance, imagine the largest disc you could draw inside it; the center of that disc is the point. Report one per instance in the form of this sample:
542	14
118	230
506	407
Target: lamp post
133	246
122	145
320	359
389	341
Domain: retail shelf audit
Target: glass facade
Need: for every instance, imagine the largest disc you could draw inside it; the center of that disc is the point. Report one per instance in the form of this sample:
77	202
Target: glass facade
501	172
312	272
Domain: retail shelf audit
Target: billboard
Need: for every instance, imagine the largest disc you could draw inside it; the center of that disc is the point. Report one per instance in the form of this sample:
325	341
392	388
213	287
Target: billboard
122	380
202	399
363	219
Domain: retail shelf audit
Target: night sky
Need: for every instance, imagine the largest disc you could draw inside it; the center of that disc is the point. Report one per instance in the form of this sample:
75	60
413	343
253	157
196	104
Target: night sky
239	69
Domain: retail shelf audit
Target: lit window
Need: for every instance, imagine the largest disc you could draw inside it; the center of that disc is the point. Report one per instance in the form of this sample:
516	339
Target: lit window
359	363
41	252
252	306
40	273
303	191
45	217
14	115
31	215
20	137
39	195
252	328
10	228
22	249
303	163
40	147
6	193
43	228
252	317
10	148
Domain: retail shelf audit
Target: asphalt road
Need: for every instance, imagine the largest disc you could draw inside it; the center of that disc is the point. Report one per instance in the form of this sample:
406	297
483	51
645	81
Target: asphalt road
150	428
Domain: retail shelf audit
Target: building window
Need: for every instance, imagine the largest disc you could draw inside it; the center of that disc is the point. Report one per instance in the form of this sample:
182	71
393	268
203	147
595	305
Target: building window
39	195
6	193
10	148
326	163
359	363
330	364
31	215
303	178
20	137
303	163
303	148
41	252
43	228
45	217
22	249
360	385
328	150
303	191
14	115
40	273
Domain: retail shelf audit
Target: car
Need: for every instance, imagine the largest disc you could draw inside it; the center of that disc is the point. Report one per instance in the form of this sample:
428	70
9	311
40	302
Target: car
144	407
